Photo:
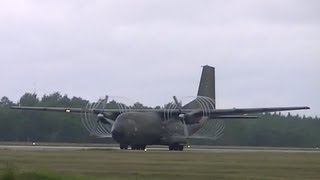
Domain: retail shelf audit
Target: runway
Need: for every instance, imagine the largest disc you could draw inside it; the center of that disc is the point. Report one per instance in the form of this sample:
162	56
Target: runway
212	149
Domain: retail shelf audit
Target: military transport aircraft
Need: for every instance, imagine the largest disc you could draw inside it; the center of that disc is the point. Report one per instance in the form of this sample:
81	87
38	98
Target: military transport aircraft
171	126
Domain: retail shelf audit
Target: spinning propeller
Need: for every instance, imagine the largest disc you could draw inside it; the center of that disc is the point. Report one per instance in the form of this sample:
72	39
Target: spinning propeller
195	116
98	120
101	116
182	117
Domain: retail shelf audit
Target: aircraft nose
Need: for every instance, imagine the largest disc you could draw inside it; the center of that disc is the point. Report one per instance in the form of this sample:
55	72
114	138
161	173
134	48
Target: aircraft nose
117	134
118	131
121	129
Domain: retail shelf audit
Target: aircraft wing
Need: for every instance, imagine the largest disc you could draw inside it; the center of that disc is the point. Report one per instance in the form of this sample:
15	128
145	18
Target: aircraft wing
55	109
243	111
214	113
80	110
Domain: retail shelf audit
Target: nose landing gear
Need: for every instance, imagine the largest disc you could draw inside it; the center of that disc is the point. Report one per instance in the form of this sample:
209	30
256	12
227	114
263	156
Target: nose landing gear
138	147
176	147
123	146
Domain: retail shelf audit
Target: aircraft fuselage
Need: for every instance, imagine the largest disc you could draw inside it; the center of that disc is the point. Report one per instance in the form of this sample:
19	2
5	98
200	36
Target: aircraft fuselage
137	129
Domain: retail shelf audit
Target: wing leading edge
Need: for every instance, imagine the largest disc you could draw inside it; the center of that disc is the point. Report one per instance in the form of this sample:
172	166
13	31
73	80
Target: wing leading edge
54	109
213	113
243	111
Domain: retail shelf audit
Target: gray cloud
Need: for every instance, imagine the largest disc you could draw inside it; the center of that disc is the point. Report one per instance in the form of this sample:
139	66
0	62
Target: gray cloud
266	53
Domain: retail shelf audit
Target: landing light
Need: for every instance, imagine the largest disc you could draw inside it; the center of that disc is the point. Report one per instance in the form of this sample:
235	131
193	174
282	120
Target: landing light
68	110
145	149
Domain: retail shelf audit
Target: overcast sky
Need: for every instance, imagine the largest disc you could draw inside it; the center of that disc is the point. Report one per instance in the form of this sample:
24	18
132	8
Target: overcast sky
266	53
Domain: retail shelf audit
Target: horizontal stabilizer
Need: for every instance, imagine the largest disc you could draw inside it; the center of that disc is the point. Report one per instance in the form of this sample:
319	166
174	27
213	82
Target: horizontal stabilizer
236	117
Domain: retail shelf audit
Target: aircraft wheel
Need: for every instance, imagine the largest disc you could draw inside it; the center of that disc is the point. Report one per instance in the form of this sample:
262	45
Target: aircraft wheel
138	147
176	147
123	146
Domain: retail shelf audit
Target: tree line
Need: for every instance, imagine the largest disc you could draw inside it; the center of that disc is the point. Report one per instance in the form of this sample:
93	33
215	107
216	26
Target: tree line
271	129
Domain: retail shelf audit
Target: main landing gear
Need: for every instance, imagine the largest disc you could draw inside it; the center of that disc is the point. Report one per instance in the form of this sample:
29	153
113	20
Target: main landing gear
133	147
172	147
123	146
176	147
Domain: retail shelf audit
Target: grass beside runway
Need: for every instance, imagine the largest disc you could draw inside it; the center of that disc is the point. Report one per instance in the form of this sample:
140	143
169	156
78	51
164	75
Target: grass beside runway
115	164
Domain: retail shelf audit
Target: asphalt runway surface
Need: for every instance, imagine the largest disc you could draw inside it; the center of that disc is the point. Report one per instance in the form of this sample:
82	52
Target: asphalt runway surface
212	149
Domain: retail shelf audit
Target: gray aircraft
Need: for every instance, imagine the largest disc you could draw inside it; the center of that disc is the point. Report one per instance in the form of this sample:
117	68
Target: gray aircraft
172	126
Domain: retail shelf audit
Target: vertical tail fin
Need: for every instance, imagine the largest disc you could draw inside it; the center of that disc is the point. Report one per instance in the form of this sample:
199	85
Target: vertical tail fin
206	87
207	83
